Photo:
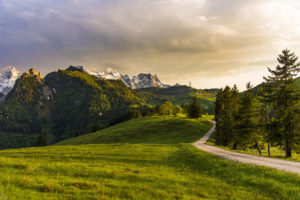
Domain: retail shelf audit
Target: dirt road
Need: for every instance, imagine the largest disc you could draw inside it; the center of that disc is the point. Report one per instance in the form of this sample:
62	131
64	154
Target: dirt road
285	165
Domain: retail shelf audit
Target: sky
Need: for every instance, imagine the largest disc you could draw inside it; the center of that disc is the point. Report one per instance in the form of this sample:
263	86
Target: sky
210	43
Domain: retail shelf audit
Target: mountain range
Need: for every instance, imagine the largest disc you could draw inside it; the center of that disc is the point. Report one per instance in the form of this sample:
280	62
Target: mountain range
142	80
63	104
74	101
9	75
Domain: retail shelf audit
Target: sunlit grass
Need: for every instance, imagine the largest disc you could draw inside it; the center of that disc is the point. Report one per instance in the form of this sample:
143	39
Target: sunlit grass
153	130
160	167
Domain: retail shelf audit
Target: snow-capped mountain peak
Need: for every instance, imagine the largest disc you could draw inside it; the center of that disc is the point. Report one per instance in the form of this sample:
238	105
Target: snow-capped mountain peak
110	74
8	77
82	68
111	71
142	80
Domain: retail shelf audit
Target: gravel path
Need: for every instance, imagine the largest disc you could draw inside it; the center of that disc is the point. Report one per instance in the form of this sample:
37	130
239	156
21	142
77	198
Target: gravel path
284	165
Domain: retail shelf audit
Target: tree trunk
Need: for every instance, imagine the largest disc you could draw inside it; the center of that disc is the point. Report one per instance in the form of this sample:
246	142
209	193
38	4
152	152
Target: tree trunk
234	146
288	150
269	152
257	146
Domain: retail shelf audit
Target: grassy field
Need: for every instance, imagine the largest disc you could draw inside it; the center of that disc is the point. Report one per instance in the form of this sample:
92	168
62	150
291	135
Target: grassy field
158	164
153	130
276	152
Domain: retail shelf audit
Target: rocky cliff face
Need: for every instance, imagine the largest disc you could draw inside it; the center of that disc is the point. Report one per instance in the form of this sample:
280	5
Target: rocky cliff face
147	80
33	72
128	81
30	88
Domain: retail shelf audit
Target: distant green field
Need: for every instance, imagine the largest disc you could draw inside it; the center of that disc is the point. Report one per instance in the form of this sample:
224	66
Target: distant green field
158	164
178	95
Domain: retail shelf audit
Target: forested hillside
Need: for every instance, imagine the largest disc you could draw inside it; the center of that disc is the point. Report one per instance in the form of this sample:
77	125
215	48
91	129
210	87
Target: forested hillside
73	102
83	103
64	104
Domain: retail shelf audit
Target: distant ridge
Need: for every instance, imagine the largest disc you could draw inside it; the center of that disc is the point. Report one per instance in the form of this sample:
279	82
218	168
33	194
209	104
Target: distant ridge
142	80
9	75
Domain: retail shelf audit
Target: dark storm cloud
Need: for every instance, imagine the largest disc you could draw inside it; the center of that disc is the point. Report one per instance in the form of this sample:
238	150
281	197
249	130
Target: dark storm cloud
190	40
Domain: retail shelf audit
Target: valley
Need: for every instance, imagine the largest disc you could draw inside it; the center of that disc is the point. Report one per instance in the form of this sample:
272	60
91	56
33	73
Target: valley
149	100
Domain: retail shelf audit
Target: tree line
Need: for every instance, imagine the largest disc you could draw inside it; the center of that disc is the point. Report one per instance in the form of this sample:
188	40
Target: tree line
266	114
193	109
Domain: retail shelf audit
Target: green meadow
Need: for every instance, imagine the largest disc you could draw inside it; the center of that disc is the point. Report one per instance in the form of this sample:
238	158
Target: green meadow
145	158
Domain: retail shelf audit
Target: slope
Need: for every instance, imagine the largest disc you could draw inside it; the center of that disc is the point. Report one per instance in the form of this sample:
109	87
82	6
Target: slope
138	171
153	130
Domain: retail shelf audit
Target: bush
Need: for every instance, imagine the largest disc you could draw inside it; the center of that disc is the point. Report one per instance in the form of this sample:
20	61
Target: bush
177	110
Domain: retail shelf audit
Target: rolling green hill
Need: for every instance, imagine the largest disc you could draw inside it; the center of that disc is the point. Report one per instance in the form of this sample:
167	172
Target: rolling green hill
155	161
145	130
177	95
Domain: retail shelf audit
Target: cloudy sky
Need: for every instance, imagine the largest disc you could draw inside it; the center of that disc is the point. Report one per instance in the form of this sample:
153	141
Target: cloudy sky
207	42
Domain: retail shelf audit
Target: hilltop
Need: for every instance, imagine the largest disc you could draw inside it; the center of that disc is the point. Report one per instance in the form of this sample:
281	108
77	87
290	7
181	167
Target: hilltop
152	130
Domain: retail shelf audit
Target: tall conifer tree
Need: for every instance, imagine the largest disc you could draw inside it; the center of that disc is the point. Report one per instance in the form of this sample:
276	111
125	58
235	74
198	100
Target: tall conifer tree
247	121
285	98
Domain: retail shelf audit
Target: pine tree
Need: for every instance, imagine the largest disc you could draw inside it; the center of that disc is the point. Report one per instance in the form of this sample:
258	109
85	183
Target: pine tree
225	113
219	110
266	123
247	121
285	98
195	110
